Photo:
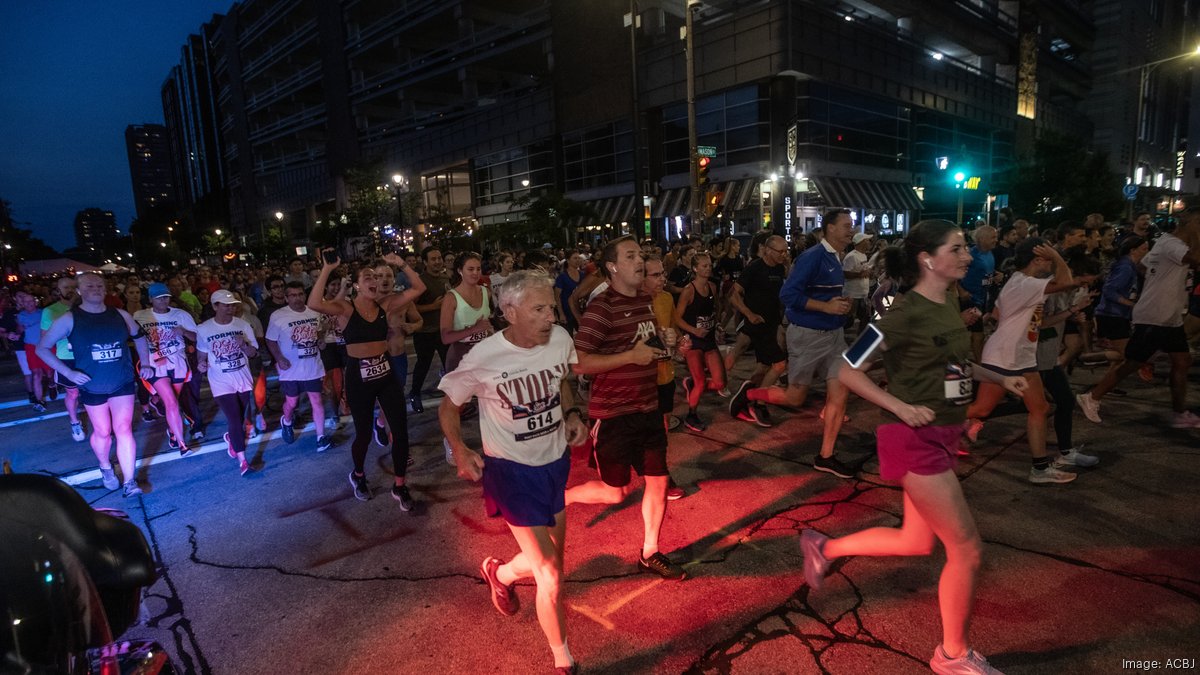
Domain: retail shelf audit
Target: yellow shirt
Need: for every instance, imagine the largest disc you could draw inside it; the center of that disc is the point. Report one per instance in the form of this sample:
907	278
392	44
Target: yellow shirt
664	314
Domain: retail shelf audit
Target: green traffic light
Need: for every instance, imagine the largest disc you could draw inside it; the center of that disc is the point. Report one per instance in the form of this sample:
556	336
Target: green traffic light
960	176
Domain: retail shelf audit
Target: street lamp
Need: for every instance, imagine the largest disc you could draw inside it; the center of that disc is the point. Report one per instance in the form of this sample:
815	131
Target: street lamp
398	181
1144	75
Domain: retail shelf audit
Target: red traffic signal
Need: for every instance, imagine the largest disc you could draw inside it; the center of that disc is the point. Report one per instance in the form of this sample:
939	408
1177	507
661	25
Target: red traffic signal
702	164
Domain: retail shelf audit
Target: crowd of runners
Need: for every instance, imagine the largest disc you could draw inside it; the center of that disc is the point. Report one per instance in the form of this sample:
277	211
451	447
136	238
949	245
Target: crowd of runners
543	350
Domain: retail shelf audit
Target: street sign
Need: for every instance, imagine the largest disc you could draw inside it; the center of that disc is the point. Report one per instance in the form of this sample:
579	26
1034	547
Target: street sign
1130	191
706	150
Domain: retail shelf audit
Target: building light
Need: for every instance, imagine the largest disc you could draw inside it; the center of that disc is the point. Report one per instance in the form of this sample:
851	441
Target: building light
1158	179
1137	175
938	56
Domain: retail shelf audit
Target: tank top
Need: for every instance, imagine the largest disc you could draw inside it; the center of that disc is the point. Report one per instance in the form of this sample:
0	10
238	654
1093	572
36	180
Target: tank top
99	342
701	313
466	316
358	330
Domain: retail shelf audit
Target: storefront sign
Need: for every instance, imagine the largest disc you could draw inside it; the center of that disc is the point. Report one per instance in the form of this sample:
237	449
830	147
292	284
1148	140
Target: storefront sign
787	218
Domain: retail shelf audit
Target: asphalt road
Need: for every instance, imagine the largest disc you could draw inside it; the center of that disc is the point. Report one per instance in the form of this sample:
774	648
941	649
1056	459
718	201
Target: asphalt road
283	571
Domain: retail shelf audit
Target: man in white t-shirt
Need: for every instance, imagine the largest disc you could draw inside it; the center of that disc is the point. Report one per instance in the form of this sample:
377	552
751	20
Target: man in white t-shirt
293	336
1011	351
226	344
858	279
526	420
1158	320
166	327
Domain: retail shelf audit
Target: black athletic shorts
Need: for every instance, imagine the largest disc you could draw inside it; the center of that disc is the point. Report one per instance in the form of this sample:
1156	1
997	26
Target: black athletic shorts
764	338
1112	327
635	441
1146	341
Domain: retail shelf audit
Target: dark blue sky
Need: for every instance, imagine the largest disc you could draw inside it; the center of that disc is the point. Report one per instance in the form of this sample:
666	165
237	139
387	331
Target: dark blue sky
73	75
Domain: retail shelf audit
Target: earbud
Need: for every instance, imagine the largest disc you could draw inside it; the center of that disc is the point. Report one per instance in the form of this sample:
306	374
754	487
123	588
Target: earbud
929	264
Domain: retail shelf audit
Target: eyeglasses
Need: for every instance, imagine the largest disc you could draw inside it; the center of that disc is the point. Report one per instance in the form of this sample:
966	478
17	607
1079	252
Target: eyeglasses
780	251
274	286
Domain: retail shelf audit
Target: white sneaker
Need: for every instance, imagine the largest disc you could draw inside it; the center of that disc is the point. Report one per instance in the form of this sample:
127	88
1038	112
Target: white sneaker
1075	458
1185	420
1050	474
1089	406
77	431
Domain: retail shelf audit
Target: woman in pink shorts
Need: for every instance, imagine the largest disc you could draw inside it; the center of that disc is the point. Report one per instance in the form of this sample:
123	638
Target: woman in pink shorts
930	383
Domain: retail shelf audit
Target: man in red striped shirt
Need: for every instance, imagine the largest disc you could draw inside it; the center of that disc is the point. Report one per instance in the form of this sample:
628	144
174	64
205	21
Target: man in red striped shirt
627	429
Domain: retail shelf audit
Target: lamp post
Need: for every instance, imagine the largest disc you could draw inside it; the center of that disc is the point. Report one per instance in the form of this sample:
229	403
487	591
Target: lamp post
1144	75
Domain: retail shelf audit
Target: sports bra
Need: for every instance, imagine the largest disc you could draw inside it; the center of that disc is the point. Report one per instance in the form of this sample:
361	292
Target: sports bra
358	330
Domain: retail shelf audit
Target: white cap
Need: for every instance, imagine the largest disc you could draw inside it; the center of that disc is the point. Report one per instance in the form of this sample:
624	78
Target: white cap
224	297
861	236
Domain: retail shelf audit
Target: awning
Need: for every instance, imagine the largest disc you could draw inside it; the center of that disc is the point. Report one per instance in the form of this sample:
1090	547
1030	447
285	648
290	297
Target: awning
739	194
670	203
867	194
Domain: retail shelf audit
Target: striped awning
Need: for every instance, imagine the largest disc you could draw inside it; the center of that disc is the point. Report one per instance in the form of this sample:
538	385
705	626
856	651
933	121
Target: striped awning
867	194
671	203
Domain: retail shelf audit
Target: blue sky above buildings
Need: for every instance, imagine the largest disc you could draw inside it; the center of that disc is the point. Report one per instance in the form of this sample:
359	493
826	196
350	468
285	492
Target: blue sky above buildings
73	75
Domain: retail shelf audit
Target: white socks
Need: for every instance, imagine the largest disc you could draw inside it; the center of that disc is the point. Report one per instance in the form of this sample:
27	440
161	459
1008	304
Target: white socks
562	656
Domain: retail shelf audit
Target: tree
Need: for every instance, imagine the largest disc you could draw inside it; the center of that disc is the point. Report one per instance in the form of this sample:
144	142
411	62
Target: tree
1064	180
17	243
372	204
543	219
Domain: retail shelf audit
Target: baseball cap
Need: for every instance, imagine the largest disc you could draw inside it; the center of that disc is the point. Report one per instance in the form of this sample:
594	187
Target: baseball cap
861	236
157	290
225	297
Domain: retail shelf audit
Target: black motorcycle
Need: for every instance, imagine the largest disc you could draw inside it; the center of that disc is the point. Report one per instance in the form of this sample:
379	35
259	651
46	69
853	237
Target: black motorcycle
71	582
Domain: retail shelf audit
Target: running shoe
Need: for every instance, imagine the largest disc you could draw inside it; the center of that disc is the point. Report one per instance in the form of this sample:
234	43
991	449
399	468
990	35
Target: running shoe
414	404
362	491
131	488
816	565
675	493
1185	420
1073	457
1089	406
673	423
287	431
156	405
762	413
197	434
738	402
186	452
324	443
77	431
251	432
832	465
693	422
971	663
504	598
229	446
401	494
753	414
147	416
724	392
244	467
381	434
662	566
39	407
109	477
260	422
1146	372
1050	474
172	442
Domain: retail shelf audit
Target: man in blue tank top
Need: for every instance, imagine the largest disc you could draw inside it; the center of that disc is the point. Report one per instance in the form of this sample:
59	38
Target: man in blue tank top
103	371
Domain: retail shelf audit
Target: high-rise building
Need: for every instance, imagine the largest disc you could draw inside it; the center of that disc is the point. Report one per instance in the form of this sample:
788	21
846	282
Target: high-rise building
190	113
95	228
149	153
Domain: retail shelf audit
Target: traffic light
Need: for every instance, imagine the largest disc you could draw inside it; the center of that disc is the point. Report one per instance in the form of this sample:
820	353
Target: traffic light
702	164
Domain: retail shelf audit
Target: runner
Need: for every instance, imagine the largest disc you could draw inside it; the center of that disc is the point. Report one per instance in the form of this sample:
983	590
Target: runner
67	297
926	360
226	344
400	325
426	341
368	370
696	316
519	378
293	337
166	328
36	372
628	431
103	374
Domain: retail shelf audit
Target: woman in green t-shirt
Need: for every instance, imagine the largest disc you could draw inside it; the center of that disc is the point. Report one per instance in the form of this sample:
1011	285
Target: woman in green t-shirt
930	382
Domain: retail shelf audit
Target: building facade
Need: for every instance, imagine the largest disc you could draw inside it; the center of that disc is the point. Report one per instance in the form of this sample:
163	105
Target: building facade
95	229
874	106
149	152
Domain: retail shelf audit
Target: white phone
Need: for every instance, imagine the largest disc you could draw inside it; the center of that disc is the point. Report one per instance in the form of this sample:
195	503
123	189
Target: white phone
864	346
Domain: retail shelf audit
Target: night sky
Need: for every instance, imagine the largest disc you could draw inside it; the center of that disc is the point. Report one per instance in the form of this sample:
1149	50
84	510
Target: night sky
73	75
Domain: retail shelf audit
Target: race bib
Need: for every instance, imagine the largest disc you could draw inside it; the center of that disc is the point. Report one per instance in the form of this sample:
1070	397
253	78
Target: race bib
307	352
374	368
537	418
169	348
472	339
704	322
958	385
105	355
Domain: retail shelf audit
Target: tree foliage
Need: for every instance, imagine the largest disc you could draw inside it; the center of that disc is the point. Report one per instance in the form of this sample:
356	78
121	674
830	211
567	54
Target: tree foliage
1064	180
24	245
542	218
371	202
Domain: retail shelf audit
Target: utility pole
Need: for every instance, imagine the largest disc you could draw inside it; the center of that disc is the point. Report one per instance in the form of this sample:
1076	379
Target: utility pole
634	21
689	54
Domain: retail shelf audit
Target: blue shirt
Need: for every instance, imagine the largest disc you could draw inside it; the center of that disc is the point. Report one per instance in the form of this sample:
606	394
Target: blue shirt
983	266
817	275
1122	282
